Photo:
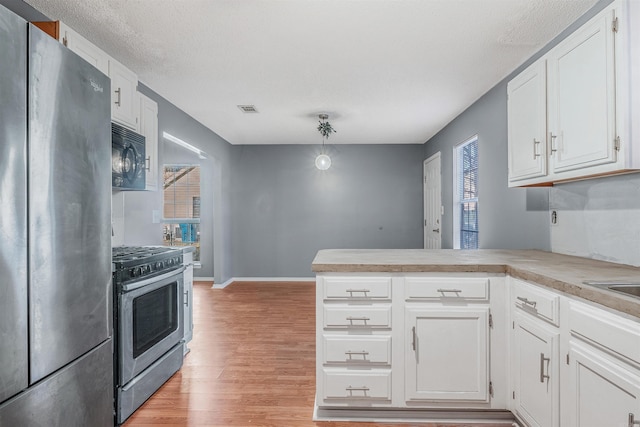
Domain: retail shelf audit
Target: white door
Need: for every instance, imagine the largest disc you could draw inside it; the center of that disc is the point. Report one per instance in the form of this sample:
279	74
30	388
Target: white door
447	354
432	203
535	372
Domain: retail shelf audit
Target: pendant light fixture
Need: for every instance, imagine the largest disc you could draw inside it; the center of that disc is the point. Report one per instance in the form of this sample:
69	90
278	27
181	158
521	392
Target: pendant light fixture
323	161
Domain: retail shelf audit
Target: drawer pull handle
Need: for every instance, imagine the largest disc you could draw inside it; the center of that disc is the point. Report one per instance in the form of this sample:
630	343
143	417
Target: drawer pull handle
527	302
632	420
352	319
456	291
542	374
363	389
358	291
362	353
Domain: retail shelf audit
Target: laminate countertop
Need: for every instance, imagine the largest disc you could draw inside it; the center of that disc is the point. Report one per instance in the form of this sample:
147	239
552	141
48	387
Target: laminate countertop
563	273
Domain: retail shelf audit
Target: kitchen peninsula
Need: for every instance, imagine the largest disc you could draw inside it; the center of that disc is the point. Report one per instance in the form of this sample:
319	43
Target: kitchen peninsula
475	335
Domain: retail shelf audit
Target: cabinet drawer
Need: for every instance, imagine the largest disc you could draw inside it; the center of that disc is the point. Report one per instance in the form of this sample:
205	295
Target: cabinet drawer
357	288
356	386
357	317
536	301
451	288
616	333
359	351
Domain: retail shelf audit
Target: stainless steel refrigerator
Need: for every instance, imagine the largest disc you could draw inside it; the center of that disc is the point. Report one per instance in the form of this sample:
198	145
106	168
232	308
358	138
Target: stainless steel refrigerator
56	357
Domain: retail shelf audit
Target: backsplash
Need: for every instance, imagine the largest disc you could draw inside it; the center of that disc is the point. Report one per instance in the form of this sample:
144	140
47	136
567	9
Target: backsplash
598	219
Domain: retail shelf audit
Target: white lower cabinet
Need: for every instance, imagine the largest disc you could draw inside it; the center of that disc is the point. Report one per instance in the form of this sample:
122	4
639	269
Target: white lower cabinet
447	354
601	391
354	321
407	341
603	382
429	343
535	371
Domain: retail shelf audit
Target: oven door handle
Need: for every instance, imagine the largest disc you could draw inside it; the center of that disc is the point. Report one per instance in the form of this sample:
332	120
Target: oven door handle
139	284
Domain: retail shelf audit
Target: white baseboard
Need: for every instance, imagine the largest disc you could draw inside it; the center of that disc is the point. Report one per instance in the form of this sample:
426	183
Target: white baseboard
414	415
262	279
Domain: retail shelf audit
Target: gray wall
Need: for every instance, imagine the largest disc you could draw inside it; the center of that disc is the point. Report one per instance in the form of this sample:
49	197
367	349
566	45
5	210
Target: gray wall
215	247
285	210
23	9
508	218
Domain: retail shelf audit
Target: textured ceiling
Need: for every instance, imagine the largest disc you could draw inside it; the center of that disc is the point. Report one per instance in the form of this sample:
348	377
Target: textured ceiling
386	71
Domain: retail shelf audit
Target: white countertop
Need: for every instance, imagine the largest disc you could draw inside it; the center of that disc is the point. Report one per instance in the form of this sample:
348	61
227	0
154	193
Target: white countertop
560	272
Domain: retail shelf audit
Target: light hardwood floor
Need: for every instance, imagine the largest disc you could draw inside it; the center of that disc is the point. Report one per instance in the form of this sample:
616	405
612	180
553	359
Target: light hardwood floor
252	363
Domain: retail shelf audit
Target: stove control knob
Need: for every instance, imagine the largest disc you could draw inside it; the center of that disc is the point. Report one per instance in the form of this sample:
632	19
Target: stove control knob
133	272
159	264
147	268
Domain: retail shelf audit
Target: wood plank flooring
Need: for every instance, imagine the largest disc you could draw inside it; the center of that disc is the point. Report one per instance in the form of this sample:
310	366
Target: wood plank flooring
252	363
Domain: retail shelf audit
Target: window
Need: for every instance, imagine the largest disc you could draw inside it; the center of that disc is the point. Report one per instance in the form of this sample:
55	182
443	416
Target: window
466	195
181	207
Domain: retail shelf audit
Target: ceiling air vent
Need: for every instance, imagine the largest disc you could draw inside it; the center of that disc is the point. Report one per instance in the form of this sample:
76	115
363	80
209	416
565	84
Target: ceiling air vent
248	108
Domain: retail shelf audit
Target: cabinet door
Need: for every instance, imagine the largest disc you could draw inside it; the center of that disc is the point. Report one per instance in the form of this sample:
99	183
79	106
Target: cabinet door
527	123
535	372
124	95
84	48
149	129
581	75
602	392
447	354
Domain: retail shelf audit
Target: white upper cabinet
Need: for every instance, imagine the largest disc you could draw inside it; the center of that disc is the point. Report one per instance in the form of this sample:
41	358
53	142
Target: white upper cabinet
527	123
149	129
580	94
124	95
125	107
84	48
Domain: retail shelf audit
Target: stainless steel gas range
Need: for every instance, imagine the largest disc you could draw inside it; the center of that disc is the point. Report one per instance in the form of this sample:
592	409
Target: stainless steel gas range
148	322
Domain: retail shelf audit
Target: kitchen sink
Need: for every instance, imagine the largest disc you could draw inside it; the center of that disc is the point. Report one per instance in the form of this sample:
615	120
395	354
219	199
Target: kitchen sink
632	289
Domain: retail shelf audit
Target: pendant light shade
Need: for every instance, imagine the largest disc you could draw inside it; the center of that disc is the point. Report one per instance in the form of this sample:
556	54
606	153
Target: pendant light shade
323	161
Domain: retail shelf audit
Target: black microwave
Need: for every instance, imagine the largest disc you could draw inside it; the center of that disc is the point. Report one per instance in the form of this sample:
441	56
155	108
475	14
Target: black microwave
128	163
